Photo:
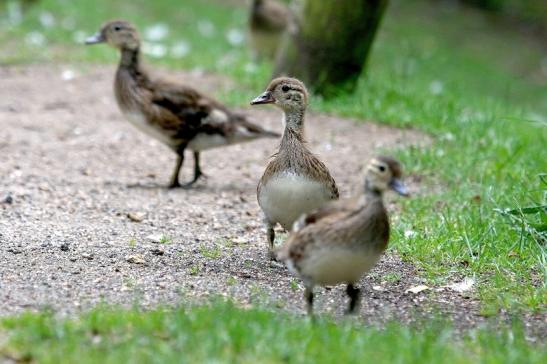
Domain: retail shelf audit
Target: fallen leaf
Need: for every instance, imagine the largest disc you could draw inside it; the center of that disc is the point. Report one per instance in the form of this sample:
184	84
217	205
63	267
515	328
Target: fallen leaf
417	289
135	259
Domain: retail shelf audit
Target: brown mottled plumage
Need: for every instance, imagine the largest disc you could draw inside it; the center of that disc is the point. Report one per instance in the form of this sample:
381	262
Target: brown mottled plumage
177	115
268	21
343	240
295	181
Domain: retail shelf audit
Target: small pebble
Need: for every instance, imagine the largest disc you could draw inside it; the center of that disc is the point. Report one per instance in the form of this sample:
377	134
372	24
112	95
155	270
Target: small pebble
7	200
158	251
136	216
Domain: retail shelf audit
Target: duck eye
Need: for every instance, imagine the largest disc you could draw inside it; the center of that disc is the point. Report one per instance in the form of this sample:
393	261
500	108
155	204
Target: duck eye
285	88
117	28
382	168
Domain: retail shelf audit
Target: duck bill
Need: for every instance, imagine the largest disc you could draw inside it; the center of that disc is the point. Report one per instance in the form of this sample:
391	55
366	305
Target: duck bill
398	186
95	39
265	98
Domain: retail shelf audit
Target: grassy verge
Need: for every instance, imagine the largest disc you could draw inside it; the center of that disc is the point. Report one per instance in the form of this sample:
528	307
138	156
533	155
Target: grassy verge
223	333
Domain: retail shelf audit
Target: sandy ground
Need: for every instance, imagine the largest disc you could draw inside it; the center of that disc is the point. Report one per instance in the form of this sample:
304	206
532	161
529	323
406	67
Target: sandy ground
72	170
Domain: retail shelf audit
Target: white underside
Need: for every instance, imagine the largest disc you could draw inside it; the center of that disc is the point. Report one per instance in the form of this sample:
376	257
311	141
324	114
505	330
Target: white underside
201	141
332	265
206	141
286	197
138	120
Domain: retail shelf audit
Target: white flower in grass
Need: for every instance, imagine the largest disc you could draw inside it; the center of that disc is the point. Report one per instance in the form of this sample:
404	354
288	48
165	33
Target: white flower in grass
79	36
154	50
180	49
46	19
436	87
206	28
156	32
250	67
235	37
410	234
35	39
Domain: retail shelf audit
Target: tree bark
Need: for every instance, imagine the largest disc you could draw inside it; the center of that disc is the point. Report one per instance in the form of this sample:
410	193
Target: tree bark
330	45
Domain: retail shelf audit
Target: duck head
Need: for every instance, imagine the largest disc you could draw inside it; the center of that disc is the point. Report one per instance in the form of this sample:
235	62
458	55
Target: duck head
118	34
286	93
384	173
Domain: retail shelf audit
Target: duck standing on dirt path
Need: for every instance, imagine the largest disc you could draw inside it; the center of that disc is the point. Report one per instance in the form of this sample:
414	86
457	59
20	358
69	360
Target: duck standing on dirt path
268	21
177	115
343	240
295	181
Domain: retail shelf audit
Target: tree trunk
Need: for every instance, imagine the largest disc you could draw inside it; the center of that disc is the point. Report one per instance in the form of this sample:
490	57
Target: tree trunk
331	43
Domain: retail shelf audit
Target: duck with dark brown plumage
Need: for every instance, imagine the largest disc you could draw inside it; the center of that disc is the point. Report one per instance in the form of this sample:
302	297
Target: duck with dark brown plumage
177	115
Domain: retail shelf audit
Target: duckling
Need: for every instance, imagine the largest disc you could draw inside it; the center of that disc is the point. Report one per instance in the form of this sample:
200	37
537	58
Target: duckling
175	114
343	240
295	181
268	21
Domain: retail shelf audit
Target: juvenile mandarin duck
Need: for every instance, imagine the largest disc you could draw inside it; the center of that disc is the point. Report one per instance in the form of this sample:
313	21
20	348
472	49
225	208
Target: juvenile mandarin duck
177	115
295	181
343	240
268	21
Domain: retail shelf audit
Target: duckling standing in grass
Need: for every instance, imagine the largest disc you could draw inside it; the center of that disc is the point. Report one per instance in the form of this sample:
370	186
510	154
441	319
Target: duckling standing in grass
177	115
342	241
268	21
295	181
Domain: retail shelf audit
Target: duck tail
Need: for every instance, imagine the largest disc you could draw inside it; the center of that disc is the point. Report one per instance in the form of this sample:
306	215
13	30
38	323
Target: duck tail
255	130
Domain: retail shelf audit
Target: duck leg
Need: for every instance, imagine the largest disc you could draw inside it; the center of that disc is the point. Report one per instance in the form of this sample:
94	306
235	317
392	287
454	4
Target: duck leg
175	178
308	295
197	171
271	239
354	294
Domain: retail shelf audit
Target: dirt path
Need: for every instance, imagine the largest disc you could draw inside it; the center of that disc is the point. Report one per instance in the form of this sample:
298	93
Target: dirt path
68	163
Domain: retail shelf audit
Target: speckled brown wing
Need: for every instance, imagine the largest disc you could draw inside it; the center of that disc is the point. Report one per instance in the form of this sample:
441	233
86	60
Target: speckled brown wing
339	222
201	114
310	225
322	173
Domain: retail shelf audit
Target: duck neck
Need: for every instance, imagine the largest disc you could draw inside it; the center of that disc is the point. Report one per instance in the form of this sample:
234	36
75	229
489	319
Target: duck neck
130	58
294	124
372	192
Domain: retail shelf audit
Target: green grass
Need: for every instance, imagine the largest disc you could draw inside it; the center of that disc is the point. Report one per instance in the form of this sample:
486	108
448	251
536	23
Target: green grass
223	333
477	89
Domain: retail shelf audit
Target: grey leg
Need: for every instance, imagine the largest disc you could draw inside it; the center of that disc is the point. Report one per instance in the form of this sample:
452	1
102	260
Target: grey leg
197	171
308	295
175	178
271	239
354	295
